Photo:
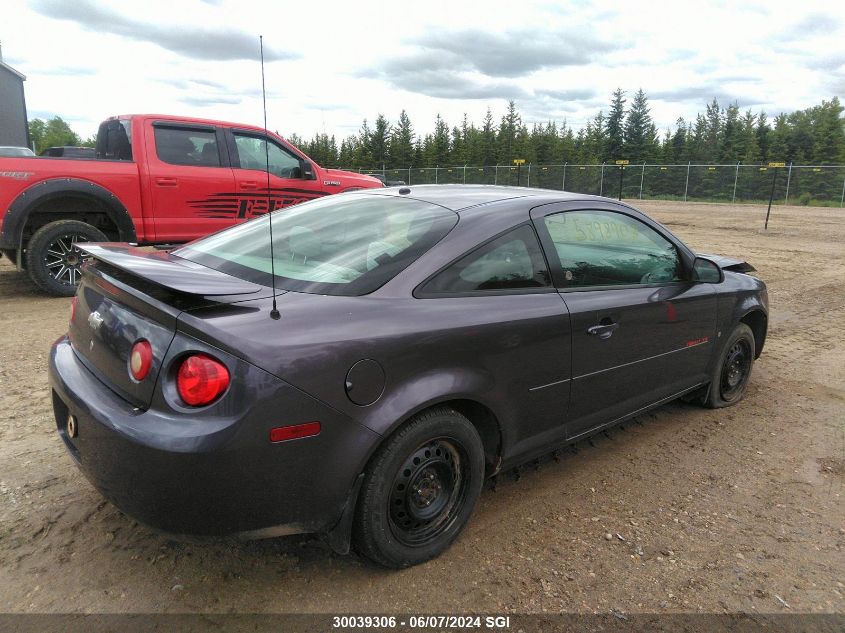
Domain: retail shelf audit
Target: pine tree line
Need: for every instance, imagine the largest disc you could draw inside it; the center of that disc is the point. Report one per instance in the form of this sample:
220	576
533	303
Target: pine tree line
722	135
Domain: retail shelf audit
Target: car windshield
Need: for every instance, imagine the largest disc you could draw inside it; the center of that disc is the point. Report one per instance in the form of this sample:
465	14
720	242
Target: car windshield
341	245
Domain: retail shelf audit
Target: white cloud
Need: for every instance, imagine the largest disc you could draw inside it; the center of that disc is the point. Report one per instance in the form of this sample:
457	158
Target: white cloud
339	62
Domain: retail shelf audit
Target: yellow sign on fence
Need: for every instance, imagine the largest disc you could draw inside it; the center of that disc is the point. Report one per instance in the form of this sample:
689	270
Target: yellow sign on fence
518	161
777	164
622	162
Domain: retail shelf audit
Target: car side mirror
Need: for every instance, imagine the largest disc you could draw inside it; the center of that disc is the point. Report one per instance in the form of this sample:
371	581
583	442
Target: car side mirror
307	170
706	271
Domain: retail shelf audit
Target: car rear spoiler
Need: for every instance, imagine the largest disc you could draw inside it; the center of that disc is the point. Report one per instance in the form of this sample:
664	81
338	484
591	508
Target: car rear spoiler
729	263
173	273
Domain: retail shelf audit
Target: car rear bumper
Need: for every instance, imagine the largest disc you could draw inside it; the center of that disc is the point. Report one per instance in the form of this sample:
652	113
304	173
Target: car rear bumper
176	473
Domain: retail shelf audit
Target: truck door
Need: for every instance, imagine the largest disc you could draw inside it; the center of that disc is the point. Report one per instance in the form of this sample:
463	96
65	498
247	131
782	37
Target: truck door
292	179
191	182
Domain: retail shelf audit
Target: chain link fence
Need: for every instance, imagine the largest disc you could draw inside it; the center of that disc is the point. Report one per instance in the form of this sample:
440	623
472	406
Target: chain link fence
821	185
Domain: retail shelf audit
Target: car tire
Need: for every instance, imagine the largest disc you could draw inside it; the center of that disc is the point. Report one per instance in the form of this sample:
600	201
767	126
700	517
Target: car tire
419	489
732	370
52	259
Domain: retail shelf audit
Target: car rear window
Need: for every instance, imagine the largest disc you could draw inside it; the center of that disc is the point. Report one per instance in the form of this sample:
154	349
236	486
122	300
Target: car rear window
340	245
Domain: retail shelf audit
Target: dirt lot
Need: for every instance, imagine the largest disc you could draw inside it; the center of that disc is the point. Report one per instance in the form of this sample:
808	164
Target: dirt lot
732	510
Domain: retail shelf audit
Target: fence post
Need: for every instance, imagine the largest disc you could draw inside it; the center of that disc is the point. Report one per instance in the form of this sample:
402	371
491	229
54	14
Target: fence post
496	175
788	178
529	175
736	178
686	185
601	183
642	177
842	197
563	184
465	174
436	169
409	175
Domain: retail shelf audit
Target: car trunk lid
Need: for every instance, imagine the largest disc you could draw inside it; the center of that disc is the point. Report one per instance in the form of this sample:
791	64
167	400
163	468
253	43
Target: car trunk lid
127	295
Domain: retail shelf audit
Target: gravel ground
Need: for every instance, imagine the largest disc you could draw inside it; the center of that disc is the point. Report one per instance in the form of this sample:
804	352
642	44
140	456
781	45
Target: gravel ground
736	510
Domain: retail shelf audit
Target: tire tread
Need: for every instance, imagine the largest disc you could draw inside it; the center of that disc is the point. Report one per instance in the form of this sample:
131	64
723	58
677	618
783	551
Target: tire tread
39	276
365	541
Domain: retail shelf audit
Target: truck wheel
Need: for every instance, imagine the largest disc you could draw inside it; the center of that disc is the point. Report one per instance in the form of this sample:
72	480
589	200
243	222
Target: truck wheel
52	258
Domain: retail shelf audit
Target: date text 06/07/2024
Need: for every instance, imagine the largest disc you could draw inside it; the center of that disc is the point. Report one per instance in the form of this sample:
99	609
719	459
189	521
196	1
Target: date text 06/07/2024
422	622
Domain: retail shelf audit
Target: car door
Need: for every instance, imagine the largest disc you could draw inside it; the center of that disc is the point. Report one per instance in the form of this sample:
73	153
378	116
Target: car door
512	328
291	180
642	330
190	180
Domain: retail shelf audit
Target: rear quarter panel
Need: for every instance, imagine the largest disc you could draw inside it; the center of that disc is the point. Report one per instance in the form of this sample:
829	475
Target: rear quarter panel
22	177
492	350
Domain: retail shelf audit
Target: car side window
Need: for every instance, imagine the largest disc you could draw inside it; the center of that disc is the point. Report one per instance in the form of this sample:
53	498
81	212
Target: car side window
251	153
604	248
512	261
183	146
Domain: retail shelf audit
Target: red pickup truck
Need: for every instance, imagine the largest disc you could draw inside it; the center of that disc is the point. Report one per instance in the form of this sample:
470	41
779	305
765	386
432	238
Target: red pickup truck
156	179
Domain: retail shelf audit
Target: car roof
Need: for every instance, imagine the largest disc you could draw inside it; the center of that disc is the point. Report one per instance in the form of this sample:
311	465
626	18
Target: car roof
458	198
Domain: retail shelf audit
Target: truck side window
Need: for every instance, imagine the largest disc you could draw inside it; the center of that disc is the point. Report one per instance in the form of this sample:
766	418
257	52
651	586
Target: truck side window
251	154
183	146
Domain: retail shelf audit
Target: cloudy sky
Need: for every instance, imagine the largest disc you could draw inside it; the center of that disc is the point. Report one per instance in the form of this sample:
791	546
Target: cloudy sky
331	64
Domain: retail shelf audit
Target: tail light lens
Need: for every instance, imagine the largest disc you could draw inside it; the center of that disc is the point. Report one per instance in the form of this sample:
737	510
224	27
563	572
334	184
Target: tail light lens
140	359
201	380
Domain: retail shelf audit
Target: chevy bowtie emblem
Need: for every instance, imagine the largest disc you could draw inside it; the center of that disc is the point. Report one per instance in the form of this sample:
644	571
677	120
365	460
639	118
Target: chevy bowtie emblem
95	320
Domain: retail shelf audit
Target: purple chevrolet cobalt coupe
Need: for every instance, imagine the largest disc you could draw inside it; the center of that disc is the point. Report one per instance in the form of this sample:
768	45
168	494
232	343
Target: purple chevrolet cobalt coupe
423	338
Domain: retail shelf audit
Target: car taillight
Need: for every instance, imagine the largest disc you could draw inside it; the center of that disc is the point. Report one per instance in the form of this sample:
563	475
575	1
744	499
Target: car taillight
140	359
201	380
73	304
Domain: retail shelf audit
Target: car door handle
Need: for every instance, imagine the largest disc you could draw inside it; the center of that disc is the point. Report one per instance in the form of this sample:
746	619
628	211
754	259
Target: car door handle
604	331
163	181
248	184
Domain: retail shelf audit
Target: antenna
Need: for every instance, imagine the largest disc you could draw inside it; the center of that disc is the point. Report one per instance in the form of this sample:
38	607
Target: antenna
274	313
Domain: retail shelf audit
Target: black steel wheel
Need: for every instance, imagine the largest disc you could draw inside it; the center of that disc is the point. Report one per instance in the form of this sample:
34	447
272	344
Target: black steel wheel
419	489
427	490
53	259
733	369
